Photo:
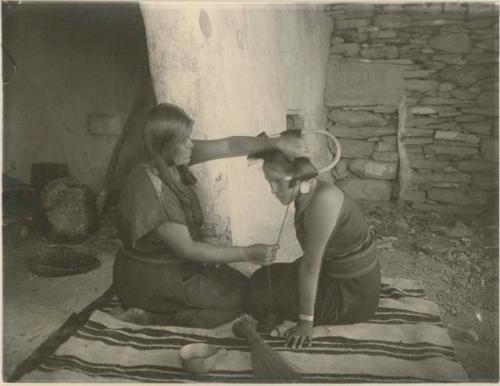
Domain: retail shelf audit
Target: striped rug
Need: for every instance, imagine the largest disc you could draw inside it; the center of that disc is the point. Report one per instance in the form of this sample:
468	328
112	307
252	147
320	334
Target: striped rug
404	342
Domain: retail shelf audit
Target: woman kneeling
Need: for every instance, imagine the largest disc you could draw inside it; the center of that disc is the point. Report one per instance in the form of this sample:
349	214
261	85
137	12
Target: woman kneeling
165	273
337	280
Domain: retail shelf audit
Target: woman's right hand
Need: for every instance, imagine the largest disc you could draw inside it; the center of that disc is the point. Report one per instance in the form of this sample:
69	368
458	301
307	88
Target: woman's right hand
262	254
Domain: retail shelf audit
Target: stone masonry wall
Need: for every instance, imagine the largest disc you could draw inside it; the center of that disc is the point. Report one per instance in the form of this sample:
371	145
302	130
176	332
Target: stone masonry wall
437	147
369	164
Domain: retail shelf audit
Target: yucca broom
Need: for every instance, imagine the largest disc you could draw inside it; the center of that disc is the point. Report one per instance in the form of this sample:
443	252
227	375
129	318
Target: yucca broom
267	364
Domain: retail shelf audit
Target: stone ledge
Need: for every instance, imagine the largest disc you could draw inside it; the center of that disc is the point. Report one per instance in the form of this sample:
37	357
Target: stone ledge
384	109
383	146
429	100
390	139
429	164
451	150
352	148
347	49
466	75
420	85
351	23
387	156
475	166
419	132
464	94
470	118
422	122
366	189
418	74
385	52
452	42
357	118
433	22
457	144
396	21
373	169
455	136
361	132
350	10
417	140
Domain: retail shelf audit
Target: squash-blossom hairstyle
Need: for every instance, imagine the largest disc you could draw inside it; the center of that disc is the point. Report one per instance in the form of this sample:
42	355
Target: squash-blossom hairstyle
300	169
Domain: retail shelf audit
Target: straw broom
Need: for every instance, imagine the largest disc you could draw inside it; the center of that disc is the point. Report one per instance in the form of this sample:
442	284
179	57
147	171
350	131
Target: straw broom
267	364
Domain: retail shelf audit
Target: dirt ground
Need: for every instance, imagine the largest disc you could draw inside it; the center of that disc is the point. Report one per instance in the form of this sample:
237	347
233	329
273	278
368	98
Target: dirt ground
457	260
455	257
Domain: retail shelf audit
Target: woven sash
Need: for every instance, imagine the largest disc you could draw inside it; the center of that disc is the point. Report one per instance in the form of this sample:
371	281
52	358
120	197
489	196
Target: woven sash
353	264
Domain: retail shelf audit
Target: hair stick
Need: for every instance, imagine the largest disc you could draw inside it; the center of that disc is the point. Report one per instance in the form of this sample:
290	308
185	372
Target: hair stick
268	269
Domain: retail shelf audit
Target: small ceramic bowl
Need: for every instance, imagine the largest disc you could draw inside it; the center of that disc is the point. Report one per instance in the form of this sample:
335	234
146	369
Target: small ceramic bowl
200	358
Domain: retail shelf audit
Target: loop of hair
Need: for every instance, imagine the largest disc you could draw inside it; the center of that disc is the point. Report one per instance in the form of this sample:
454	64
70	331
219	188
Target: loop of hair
303	170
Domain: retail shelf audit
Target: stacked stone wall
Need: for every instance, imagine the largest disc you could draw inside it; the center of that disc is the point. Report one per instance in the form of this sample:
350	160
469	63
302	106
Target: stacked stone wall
368	169
438	146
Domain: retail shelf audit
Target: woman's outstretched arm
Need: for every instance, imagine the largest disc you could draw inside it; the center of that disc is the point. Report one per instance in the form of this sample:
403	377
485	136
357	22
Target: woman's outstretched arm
207	150
178	238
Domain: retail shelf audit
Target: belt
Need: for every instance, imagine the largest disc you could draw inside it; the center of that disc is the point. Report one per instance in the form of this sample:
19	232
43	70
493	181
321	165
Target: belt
355	264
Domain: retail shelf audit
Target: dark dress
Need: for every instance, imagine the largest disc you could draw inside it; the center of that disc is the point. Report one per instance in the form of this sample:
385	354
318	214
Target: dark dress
349	281
147	274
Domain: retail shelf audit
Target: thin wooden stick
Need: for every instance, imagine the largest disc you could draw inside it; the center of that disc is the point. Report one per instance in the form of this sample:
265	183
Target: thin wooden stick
268	270
282	224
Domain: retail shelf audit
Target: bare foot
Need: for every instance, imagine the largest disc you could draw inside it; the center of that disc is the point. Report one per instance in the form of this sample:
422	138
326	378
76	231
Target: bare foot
135	315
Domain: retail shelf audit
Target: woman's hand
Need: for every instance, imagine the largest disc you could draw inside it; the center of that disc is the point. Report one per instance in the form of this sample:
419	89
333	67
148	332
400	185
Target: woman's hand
262	254
292	147
299	335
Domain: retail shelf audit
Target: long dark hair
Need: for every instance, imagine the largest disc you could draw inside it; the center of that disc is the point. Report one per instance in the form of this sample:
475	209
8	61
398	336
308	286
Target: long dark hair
168	126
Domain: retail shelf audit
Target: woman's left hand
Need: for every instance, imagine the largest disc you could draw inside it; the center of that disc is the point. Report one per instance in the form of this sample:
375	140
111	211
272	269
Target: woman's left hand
293	147
299	335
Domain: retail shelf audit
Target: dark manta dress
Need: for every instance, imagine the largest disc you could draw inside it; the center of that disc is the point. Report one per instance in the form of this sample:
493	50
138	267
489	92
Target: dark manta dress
349	281
148	274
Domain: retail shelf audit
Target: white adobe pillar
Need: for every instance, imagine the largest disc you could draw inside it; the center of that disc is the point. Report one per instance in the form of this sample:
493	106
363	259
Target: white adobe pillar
238	70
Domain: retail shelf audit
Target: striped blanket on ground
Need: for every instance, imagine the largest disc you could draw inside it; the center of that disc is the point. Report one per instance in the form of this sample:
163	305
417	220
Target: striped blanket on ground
405	341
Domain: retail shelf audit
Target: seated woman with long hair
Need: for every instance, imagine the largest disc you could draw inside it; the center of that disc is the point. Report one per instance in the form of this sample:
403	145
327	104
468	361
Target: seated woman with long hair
165	273
337	280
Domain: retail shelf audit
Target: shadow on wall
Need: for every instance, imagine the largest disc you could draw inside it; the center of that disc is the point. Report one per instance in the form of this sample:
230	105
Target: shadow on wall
81	80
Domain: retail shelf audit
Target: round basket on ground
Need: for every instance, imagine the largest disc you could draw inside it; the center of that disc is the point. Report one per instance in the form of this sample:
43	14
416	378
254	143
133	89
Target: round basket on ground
63	261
